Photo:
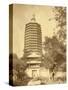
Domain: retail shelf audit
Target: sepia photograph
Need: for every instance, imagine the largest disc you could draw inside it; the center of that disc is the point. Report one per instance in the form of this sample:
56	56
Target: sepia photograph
37	45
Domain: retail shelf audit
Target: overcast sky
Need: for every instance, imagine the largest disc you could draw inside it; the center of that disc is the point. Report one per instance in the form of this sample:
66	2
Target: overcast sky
22	14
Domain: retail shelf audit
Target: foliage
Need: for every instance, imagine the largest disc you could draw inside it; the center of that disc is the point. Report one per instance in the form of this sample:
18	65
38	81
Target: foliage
54	52
17	70
60	17
55	46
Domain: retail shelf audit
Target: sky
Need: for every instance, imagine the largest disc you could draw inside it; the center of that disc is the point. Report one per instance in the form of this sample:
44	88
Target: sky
22	15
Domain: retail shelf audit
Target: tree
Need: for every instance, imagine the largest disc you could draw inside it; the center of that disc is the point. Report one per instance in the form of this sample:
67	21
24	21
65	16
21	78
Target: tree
54	53
60	17
17	70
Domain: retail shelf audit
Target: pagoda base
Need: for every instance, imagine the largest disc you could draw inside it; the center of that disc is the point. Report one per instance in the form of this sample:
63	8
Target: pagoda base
34	65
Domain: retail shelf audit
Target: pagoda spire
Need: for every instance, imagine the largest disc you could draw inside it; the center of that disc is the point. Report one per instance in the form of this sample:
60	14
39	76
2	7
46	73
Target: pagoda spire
33	18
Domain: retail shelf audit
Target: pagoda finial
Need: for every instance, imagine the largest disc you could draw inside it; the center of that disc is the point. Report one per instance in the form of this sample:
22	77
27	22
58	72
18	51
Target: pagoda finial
33	18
